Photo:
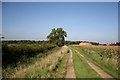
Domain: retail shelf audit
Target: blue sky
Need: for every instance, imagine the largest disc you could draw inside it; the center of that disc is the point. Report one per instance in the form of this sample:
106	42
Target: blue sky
0	18
60	0
88	21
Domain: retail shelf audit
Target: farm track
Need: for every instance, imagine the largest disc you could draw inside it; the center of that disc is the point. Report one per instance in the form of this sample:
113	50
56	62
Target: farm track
70	69
96	68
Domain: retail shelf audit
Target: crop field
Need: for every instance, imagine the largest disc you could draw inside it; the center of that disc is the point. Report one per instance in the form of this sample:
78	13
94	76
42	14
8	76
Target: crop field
105	57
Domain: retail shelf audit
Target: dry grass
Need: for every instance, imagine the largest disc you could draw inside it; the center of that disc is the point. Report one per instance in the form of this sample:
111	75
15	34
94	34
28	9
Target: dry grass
43	67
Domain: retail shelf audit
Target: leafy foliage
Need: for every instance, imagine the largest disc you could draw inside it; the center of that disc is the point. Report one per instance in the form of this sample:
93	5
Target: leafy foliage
13	52
57	36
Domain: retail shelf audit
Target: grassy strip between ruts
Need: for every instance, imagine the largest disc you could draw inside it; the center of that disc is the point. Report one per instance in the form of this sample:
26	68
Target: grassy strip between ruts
94	58
82	69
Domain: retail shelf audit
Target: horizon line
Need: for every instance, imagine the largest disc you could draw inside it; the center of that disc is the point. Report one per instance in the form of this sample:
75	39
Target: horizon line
65	40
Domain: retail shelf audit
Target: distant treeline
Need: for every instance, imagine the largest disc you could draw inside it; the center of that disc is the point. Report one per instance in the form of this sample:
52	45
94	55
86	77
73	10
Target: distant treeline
66	42
24	41
72	42
111	44
93	43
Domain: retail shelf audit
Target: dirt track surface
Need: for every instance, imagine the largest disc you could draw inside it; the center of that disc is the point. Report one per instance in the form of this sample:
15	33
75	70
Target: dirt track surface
97	69
70	69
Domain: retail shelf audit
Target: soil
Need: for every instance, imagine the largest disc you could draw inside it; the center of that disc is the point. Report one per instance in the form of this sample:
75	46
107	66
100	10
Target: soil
70	70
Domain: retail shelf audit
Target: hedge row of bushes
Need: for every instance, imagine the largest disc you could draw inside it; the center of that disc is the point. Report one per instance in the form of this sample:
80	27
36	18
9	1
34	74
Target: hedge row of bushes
13	52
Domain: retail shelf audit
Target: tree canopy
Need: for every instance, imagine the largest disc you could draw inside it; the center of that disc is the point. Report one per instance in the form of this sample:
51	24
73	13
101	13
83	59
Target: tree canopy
57	36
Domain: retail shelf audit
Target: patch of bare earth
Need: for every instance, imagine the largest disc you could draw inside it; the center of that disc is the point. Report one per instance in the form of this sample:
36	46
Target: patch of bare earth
102	73
70	70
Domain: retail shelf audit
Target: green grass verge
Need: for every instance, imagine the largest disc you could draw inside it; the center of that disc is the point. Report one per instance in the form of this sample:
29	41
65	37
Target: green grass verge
82	69
100	63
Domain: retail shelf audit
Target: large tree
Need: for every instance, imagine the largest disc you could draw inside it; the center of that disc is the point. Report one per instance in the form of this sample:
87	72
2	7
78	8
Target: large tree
57	36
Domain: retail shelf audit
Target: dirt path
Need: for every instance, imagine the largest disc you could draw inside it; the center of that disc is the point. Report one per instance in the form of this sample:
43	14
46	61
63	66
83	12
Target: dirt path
97	69
70	69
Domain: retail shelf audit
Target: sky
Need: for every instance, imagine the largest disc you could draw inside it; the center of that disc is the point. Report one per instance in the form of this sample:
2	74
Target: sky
84	21
0	18
60	0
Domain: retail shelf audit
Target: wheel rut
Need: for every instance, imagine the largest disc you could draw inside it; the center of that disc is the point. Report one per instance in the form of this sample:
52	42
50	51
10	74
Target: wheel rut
70	70
102	73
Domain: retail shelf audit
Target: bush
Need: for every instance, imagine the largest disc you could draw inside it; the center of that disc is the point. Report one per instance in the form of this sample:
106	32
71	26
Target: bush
12	52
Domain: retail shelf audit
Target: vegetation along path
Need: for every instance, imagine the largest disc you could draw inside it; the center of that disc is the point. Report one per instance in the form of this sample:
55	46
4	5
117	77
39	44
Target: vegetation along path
96	68
70	70
46	67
